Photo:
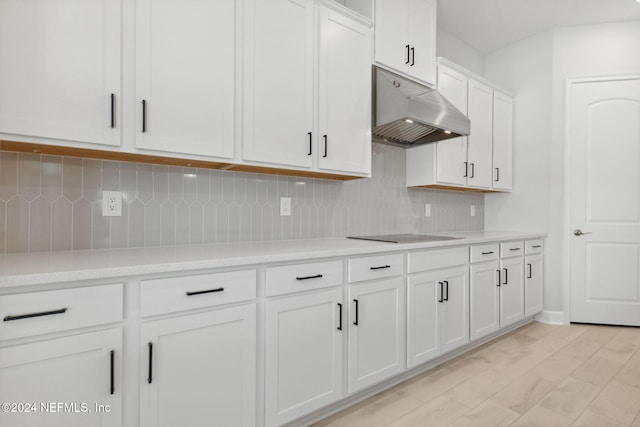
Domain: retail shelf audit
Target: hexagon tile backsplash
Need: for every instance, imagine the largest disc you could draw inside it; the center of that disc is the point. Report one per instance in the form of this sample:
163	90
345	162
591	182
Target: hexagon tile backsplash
51	203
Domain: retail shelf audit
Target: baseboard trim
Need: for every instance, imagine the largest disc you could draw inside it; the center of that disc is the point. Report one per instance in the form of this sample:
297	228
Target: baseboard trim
551	317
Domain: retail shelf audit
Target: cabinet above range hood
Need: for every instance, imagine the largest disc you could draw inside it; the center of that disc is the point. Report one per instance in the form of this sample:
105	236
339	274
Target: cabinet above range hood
407	114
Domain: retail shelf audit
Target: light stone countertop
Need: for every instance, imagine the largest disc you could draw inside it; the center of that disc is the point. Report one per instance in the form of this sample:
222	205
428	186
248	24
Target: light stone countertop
27	269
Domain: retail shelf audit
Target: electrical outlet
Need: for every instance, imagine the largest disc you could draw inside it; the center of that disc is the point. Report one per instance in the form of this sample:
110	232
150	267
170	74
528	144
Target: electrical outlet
427	209
285	206
111	203
473	210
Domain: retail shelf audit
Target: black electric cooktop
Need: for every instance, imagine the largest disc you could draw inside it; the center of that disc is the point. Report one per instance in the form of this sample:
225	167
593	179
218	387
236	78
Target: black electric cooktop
404	238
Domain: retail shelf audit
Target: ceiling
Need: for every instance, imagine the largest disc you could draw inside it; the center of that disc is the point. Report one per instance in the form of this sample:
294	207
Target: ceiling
487	25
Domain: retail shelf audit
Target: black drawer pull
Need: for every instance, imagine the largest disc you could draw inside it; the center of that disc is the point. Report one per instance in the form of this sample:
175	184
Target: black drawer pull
340	311
441	297
536	246
530	276
356	313
499	278
208	291
446	284
112	357
317	276
150	377
310	142
487	253
30	315
506	276
380	268
514	249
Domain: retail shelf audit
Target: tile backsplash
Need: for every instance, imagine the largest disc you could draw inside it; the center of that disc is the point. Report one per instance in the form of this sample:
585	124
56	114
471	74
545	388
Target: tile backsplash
52	203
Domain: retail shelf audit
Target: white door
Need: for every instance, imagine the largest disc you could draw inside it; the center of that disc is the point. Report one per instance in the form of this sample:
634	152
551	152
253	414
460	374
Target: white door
422	30
344	94
604	134
185	76
376	344
278	82
533	302
484	306
423	318
391	32
60	73
82	371
455	319
188	379
480	139
502	141
451	154
511	290
304	336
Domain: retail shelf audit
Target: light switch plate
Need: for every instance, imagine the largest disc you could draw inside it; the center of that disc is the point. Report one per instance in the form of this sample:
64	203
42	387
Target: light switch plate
285	206
473	210
427	209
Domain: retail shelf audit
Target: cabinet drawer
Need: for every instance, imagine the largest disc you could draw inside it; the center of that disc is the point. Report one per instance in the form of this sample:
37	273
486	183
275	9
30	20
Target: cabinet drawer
479	253
302	277
534	246
159	296
375	267
511	249
38	313
437	258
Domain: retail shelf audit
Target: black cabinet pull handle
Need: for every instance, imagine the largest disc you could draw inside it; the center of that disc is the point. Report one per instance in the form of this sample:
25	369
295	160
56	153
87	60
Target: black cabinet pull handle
317	276
487	253
208	291
340	316
113	110
446	284
441	297
413	56
499	278
144	115
150	377
30	315
497	174
380	268
310	139
473	170
112	356
408	54
514	249
530	272
506	276
356	320
466	169
536	246
325	145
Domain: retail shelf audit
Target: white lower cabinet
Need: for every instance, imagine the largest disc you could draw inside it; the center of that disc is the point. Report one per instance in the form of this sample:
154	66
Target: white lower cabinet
73	381
533	302
437	316
303	361
376	318
511	291
199	369
484	308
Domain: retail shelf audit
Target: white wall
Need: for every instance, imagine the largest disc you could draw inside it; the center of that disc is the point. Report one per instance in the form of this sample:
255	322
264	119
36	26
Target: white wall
536	69
457	51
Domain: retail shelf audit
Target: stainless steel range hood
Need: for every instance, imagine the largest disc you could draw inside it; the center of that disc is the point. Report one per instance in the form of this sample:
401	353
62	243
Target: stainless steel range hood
407	114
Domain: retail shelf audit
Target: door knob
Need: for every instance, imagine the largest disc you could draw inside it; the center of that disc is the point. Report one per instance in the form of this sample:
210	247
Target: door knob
579	232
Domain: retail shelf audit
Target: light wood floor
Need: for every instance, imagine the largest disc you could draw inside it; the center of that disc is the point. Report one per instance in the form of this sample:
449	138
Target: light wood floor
540	375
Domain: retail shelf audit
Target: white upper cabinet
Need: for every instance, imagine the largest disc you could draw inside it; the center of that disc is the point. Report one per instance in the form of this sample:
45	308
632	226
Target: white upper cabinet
60	74
185	76
406	37
502	141
344	94
307	88
479	146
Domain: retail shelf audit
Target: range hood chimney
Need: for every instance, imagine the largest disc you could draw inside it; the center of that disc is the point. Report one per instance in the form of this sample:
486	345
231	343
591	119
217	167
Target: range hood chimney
407	113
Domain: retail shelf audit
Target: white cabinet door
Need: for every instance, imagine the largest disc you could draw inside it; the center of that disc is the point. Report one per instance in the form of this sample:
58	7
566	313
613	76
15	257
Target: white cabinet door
422	27
484	310
278	82
186	76
480	140
451	154
303	360
455	318
376	344
533	302
61	69
511	290
189	378
391	32
344	94
423	318
83	372
502	141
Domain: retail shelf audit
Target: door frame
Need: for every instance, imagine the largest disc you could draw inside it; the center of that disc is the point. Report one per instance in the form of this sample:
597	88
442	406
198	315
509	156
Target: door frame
566	238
